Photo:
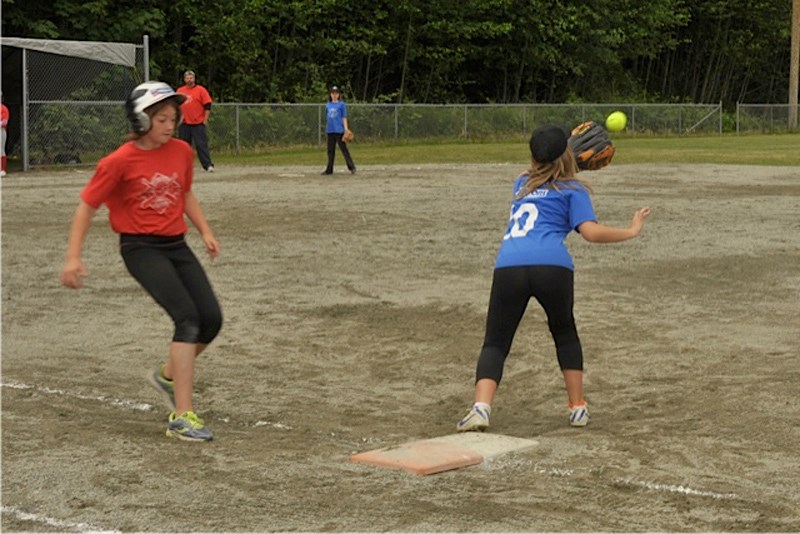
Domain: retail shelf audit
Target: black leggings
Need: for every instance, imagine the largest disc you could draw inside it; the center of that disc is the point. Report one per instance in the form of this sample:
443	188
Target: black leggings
512	288
170	272
333	140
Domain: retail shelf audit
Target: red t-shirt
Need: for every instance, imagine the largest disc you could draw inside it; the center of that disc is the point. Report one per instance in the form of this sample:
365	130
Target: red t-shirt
4	115
194	109
143	189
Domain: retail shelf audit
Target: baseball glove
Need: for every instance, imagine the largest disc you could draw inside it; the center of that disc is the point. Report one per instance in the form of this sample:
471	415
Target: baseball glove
348	136
592	148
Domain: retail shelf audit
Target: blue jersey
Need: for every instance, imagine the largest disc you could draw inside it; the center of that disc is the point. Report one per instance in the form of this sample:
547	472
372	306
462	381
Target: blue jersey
336	112
541	221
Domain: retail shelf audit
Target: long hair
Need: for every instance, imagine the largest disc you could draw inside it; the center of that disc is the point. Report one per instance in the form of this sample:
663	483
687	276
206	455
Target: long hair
561	171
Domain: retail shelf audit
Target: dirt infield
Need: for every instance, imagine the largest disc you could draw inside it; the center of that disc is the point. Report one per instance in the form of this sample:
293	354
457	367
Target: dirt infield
354	309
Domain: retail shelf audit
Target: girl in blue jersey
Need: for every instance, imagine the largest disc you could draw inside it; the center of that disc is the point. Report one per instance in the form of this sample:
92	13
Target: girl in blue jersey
533	261
335	127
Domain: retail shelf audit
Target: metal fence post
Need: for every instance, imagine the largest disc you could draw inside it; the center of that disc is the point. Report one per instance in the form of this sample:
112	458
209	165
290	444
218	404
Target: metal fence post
396	121
524	119
26	160
238	130
146	58
466	127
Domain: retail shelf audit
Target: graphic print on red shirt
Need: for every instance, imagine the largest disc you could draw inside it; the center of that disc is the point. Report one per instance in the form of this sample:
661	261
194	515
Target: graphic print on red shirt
160	192
144	189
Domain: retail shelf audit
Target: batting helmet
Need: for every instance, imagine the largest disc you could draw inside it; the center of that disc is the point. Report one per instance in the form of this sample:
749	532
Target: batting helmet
144	96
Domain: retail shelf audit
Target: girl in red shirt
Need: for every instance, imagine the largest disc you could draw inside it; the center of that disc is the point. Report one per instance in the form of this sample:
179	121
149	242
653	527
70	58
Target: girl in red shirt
146	185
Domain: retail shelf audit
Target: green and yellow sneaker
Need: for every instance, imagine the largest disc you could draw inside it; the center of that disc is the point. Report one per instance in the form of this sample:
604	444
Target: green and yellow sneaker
165	387
187	426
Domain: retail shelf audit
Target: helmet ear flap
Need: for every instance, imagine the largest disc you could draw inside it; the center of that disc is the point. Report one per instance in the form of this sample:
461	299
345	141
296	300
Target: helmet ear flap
139	120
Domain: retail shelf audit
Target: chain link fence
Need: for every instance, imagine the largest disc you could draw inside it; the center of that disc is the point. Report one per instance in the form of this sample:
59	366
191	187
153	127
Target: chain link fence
78	119
251	127
66	97
72	113
764	118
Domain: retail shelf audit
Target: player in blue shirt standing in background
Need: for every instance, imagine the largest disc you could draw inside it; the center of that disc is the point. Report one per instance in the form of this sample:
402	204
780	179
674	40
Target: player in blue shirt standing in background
336	126
533	261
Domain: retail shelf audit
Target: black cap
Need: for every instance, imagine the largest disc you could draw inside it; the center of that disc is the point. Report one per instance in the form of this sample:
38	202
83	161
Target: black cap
335	89
548	142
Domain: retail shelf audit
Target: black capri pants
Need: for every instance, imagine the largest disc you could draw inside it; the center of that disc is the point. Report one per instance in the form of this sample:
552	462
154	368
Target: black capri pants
168	269
512	287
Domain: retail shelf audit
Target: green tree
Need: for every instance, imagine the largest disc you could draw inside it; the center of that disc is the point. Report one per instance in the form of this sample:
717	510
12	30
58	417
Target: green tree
444	51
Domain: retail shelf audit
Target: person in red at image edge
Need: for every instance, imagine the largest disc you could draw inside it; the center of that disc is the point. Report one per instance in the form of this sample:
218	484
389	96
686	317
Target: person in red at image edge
196	110
4	117
549	202
147	186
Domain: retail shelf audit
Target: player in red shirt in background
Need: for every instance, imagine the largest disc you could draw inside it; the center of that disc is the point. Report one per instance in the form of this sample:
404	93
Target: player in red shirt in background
196	110
4	116
147	186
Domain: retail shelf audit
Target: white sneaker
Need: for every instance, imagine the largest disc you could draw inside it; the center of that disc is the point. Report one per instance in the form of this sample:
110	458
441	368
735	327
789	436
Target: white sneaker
476	419
210	169
579	415
2	173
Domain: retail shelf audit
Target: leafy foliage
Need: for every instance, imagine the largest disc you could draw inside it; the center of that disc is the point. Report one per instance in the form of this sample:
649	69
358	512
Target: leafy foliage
457	51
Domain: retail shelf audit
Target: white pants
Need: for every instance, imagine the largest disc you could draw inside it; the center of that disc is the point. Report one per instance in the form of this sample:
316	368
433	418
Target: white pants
3	136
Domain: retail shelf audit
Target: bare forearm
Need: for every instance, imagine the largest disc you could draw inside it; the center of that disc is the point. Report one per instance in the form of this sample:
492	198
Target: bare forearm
195	214
600	233
78	230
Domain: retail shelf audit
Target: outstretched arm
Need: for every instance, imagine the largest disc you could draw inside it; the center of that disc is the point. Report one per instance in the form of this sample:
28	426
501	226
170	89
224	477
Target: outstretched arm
600	233
73	272
195	214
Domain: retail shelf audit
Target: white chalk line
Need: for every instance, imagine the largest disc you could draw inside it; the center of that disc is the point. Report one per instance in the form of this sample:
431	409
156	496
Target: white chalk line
671	488
56	523
138	406
556	471
651	486
122	403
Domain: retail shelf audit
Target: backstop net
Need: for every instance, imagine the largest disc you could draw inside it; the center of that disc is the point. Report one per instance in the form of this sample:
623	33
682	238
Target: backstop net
65	97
